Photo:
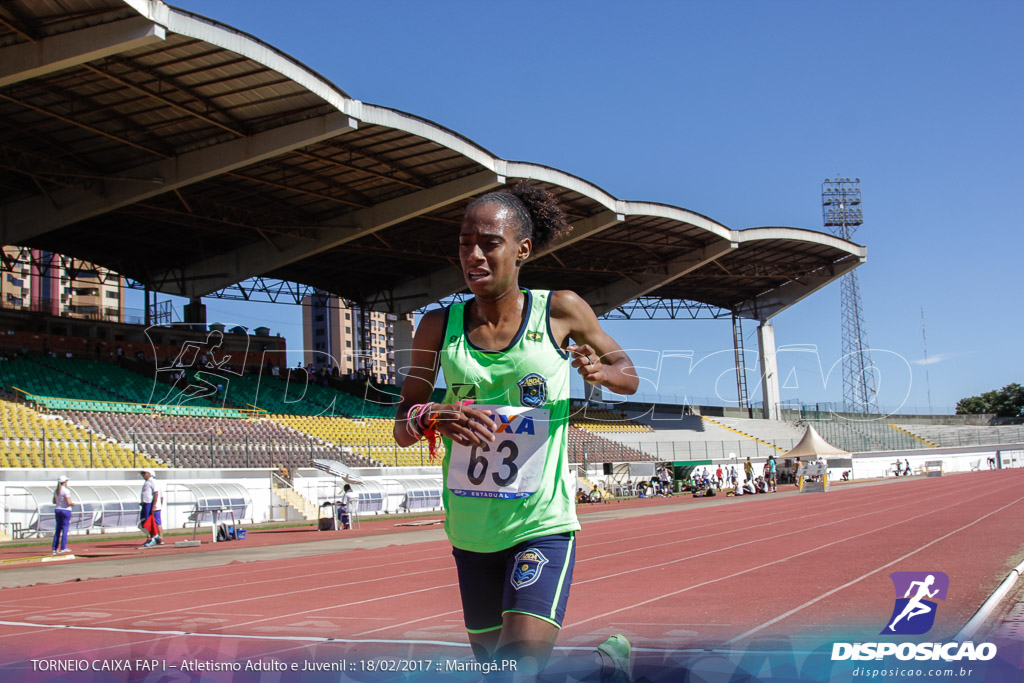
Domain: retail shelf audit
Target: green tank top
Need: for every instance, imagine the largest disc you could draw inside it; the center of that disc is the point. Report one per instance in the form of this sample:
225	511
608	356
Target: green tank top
518	487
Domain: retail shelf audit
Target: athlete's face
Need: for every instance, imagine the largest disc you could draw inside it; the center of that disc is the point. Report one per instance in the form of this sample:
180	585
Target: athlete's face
489	249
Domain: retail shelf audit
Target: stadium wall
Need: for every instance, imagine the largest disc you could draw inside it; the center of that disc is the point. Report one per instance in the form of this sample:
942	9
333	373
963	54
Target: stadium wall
959	459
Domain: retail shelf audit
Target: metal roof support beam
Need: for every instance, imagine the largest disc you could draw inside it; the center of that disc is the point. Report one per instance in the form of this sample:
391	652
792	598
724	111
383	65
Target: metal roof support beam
412	295
24	61
258	258
775	301
612	296
24	220
583	229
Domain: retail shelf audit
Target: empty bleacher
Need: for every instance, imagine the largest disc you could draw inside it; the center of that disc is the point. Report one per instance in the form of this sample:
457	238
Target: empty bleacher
183	441
104	415
301	394
600	421
60	383
960	435
370	440
693	438
585	445
865	436
28	439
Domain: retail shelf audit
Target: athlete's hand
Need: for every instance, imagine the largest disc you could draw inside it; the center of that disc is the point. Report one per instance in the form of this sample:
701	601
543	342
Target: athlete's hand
465	425
587	362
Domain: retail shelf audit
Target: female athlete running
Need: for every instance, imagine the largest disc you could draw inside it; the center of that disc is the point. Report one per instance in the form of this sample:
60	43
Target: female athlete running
506	356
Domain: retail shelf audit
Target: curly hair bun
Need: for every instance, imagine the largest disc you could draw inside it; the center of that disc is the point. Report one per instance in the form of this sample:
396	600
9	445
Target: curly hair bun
546	214
537	211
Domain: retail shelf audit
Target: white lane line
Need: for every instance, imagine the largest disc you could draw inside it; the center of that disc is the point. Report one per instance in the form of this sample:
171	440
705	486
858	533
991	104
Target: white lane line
688	541
263	598
391	596
760	539
824	595
163	635
189	578
432	617
753	569
661	546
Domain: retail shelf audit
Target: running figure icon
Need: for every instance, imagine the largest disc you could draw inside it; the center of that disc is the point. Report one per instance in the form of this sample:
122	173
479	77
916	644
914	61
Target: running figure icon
915	607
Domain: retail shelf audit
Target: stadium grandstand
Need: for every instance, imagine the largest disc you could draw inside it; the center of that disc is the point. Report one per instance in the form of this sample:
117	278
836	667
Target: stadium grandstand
192	159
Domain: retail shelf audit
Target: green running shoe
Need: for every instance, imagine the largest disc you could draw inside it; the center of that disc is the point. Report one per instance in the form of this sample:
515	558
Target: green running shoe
616	660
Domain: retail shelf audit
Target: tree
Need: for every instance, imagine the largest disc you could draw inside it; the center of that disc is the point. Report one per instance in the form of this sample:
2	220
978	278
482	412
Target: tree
1007	402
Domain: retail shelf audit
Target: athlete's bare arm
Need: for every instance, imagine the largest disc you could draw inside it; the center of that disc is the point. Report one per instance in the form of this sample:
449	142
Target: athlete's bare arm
597	357
465	425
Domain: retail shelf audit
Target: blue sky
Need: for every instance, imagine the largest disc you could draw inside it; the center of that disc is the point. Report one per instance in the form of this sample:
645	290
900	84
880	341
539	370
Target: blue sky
739	111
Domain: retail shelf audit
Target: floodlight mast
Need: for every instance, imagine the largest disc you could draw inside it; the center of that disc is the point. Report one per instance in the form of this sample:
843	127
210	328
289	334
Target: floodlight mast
842	214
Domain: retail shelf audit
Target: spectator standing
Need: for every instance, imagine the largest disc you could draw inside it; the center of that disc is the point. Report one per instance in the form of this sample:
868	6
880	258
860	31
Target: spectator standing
62	515
666	480
152	504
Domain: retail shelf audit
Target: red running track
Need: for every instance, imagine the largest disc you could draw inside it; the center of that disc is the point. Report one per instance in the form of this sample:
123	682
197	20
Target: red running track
802	567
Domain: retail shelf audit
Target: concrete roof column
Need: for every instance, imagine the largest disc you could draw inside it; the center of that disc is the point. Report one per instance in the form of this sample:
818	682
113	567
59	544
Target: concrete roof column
769	371
403	348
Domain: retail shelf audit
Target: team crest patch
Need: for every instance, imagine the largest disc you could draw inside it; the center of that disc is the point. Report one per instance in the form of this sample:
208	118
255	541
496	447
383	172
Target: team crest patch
529	565
533	390
534	336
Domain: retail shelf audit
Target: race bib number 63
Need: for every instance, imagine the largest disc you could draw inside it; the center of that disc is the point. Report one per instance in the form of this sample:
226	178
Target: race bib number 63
512	465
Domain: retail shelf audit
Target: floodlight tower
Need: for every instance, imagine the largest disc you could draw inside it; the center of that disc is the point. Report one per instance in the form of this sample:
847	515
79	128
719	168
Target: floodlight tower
841	210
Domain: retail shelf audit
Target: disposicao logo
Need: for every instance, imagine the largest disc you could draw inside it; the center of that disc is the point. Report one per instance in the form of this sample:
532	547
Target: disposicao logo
913	613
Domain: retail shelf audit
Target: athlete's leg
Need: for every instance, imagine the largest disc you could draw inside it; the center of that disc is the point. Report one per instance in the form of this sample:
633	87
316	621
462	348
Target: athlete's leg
481	579
529	641
536	587
526	639
485	644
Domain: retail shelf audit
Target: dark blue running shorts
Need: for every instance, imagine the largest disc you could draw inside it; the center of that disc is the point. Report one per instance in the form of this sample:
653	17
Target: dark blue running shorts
531	578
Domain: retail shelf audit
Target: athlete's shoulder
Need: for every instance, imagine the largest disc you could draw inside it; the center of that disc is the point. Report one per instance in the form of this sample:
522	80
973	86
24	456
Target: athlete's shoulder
434	318
565	302
431	328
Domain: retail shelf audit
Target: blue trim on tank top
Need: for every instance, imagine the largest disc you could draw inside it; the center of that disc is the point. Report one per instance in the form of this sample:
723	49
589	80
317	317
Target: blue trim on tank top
527	306
551	335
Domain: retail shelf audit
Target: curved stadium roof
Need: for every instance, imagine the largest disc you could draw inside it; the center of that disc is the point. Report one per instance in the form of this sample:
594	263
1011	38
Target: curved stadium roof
190	156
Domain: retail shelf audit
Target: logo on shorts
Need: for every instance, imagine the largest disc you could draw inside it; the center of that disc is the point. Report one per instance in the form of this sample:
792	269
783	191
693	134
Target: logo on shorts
529	564
914	613
533	390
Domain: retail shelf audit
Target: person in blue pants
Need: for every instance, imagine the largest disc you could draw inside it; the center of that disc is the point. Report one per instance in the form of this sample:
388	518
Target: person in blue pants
62	514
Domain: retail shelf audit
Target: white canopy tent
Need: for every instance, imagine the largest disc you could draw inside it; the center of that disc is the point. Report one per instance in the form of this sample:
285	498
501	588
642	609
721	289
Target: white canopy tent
812	445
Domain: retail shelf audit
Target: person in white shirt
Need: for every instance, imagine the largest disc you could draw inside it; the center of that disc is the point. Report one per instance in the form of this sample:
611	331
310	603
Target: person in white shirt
665	478
62	515
152	504
346	507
